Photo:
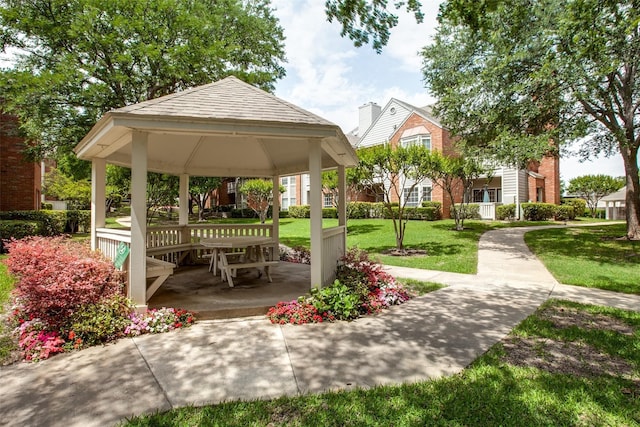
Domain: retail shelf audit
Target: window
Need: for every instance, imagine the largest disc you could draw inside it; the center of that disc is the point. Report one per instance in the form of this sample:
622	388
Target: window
327	200
289	196
413	199
422	139
231	187
495	195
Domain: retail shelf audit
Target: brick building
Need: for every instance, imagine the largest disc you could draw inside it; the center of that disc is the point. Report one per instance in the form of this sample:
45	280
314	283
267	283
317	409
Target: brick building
20	180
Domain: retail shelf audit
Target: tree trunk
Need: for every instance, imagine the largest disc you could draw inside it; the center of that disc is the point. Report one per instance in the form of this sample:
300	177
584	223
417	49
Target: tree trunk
632	201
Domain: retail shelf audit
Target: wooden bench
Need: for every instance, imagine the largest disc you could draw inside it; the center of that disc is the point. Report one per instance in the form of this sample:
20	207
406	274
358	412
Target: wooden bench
159	271
182	248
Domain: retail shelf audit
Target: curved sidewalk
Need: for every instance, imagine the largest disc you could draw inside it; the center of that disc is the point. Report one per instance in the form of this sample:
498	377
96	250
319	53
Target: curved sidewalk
433	335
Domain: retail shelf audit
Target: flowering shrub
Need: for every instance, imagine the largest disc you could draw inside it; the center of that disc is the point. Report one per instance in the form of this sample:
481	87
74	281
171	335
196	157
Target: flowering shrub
98	323
297	254
35	342
296	313
361	287
56	276
158	320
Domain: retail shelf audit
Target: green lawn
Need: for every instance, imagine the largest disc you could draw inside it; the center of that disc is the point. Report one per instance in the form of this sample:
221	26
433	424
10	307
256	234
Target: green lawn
447	250
491	391
594	257
7	344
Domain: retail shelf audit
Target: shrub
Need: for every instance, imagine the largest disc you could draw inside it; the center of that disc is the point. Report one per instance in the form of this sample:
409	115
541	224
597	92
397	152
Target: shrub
56	276
295	313
299	211
52	223
564	213
538	211
437	206
358	210
36	342
579	206
47	206
506	212
99	323
336	299
78	221
297	254
158	320
469	211
243	213
17	229
329	213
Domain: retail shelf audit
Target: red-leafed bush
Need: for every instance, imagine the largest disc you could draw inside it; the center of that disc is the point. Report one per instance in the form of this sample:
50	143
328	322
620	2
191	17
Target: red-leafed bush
56	276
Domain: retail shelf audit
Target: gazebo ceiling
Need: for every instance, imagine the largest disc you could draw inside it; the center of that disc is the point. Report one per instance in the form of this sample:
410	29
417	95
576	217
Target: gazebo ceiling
226	128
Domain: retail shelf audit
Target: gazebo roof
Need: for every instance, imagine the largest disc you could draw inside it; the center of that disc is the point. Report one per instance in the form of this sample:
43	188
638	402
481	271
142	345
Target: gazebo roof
619	195
226	128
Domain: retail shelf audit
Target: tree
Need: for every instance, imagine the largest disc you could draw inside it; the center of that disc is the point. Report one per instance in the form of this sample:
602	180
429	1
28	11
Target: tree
592	188
162	192
456	176
259	194
330	185
523	78
78	59
364	21
77	194
396	172
200	188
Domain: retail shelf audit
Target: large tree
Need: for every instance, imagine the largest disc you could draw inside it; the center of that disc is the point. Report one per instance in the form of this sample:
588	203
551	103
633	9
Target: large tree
200	189
77	59
523	78
592	188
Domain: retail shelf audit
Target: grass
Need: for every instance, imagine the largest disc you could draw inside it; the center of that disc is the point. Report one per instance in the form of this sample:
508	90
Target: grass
489	392
447	250
593	257
7	344
420	287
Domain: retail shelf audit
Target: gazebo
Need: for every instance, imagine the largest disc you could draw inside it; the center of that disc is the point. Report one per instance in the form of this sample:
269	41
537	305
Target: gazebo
226	128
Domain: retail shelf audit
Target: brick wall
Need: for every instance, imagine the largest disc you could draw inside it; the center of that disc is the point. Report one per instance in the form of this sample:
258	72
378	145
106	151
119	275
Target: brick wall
20	181
550	168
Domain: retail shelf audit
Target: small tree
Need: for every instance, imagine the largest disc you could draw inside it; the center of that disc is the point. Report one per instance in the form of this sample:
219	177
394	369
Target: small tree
330	185
200	188
77	194
592	188
162	191
259	194
394	171
456	176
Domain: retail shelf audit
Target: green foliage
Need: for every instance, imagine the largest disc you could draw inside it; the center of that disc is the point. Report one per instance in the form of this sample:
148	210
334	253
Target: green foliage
329	213
259	193
77	193
564	213
300	211
436	205
100	322
512	76
358	210
467	211
592	188
364	21
337	299
538	211
200	188
506	212
429	213
579	206
52	223
17	229
95	55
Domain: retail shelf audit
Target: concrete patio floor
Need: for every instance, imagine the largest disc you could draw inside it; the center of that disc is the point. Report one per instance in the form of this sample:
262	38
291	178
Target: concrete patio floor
195	288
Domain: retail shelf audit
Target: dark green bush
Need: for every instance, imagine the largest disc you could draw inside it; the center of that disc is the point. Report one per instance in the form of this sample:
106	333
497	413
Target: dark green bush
377	210
428	213
579	206
506	212
564	213
17	229
329	213
358	210
338	300
243	213
299	211
47	206
538	211
78	221
53	223
284	214
436	205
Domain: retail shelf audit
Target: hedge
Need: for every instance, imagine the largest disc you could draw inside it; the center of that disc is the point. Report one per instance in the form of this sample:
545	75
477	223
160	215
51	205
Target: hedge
430	211
329	213
538	211
579	206
299	211
50	223
564	213
436	205
506	212
470	211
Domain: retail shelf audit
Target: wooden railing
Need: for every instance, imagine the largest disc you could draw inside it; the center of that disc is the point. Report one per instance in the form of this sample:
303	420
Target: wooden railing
162	240
333	247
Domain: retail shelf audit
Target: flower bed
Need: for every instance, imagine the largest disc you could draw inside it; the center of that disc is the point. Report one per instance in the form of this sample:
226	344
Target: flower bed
68	297
361	288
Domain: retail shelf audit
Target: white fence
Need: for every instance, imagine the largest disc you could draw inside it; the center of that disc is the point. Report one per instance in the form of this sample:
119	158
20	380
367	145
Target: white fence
333	248
488	210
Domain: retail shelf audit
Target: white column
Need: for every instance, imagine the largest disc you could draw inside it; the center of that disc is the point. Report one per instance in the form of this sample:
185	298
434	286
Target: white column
315	203
342	200
98	197
183	216
137	256
276	212
275	224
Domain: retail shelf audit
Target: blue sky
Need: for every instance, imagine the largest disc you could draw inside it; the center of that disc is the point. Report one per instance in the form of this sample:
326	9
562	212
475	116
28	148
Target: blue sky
327	75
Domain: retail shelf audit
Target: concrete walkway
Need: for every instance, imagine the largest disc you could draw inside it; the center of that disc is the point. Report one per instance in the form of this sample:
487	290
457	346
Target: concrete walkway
430	336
